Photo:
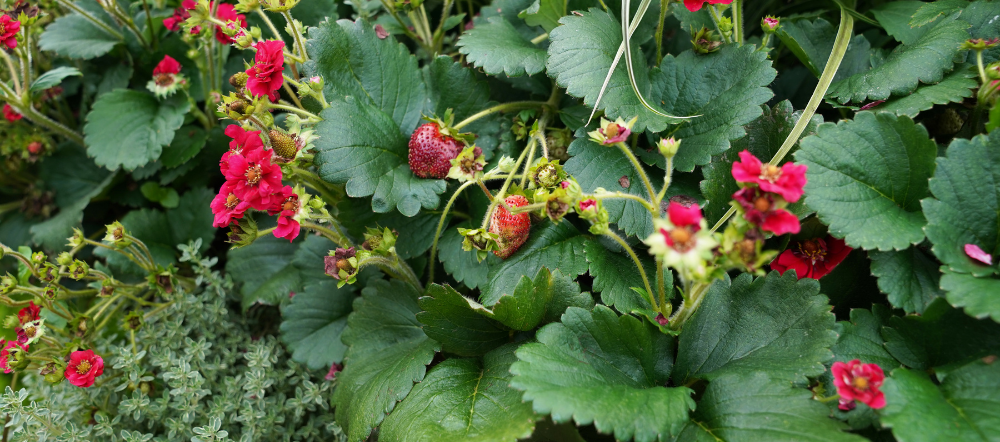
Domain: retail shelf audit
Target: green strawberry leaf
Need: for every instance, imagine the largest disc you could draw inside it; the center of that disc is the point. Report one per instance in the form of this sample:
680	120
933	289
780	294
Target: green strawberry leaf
615	276
861	338
856	167
777	324
812	42
53	78
954	88
965	208
895	18
541	299
75	36
981	15
725	88
580	54
272	268
362	147
924	61
452	319
594	165
964	407
497	48
977	296
544	13
353	61
928	13
464	400
463	265
755	407
74	180
128	128
557	245
764	137
387	353
312	322
609	370
941	336
909	277
187	142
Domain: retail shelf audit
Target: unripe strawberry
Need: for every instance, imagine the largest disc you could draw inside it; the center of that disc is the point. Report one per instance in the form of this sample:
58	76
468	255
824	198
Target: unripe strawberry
283	144
512	230
239	80
431	152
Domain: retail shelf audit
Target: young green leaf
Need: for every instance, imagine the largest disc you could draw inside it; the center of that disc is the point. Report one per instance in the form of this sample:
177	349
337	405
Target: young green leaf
776	324
128	128
909	277
962	408
876	165
312	322
53	78
465	400
387	353
596	367
756	407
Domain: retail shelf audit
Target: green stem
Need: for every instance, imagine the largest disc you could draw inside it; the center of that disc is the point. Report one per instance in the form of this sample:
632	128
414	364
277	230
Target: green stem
689	306
13	72
296	110
660	286
638	265
738	21
336	237
832	64
666	182
715	20
440	226
149	24
628	196
36	117
982	70
70	5
295	34
659	31
638	168
540	38
270	25
142	246
513	105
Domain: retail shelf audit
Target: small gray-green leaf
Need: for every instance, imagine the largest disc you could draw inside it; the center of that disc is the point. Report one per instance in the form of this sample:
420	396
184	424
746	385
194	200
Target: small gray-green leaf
128	128
866	178
596	367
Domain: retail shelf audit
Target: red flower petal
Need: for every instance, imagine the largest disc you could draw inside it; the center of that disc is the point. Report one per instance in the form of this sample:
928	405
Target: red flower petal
974	252
681	216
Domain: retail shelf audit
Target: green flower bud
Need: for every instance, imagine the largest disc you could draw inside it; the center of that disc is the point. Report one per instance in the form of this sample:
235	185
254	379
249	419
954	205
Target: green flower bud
7	284
78	270
64	259
668	146
38	258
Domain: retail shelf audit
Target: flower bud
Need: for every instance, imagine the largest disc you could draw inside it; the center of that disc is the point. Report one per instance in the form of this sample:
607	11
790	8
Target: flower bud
668	146
769	24
38	258
133	321
507	164
993	71
107	288
117	235
78	270
979	44
48	273
74	241
725	25
704	41
17	358
53	373
316	83
50	292
64	259
239	80
283	145
342	265
7	284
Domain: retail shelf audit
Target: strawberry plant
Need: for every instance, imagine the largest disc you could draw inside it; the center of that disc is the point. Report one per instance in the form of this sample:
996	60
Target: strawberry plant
500	220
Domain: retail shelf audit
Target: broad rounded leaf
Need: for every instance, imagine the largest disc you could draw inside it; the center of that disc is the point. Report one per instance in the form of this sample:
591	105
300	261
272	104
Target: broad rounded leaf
463	265
75	36
776	324
861	338
954	88
812	42
895	18
452	319
977	296
596	367
909	277
866	178
497	48
963	408
362	147
388	352
75	180
543	298
187	142
312	322
557	246
725	88
615	275
128	128
464	400
924	61
941	336
752	406
353	61
965	208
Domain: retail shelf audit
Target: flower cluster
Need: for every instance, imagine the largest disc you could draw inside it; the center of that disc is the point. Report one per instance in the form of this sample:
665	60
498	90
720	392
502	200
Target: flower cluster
9	113
225	13
767	189
8	31
253	181
683	241
856	381
694	5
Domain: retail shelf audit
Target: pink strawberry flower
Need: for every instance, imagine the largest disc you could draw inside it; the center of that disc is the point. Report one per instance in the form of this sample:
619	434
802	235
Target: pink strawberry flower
265	74
860	382
8	31
166	77
973	251
286	208
255	179
694	5
9	113
334	369
173	23
588	204
30	313
787	181
5	352
244	142
811	258
227	13
167	66
759	209
83	368
226	206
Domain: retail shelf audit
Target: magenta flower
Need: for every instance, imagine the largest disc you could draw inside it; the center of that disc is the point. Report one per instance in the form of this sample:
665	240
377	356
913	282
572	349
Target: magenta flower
812	258
265	74
255	179
286	209
787	181
694	5
227	206
83	367
860	382
759	209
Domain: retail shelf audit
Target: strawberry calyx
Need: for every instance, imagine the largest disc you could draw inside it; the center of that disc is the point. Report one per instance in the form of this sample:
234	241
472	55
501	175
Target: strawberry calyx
445	126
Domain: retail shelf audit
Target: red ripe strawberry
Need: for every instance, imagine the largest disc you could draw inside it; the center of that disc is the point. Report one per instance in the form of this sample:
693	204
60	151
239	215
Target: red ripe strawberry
511	229
431	152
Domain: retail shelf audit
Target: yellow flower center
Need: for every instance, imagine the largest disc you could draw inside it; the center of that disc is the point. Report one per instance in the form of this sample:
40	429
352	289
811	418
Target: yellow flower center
770	172
253	174
860	383
232	201
83	367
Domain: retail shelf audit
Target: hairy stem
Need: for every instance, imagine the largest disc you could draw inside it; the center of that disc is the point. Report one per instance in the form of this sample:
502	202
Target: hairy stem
659	31
638	169
440	226
738	21
638	265
505	107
